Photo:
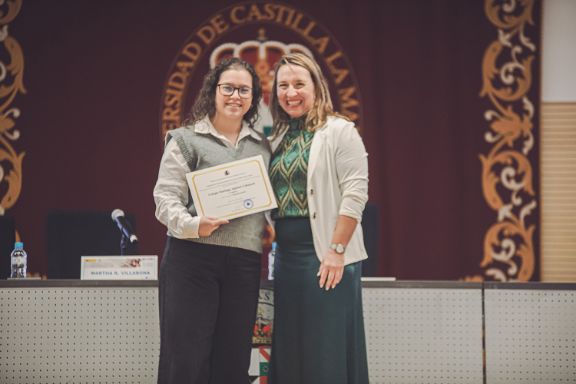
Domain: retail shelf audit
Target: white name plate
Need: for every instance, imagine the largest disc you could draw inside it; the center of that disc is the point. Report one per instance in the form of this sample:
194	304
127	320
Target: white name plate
132	267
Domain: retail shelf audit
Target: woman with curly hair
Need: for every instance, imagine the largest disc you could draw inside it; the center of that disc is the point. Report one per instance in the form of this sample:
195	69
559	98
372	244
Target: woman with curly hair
210	271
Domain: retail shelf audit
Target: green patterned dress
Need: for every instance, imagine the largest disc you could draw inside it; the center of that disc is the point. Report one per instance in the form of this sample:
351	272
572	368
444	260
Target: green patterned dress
288	172
318	335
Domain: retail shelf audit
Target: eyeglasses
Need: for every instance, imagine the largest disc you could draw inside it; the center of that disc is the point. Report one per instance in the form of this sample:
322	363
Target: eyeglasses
228	90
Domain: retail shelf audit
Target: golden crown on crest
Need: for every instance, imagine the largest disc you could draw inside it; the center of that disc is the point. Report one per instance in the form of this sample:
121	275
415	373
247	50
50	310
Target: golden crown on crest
262	53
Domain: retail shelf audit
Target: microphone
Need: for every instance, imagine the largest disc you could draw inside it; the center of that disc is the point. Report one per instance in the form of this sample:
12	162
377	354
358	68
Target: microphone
124	226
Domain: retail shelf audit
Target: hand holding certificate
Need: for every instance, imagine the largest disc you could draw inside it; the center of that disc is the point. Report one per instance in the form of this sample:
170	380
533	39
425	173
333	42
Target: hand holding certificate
232	190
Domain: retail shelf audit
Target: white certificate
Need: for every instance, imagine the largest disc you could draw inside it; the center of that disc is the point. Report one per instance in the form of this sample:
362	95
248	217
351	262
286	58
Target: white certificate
232	190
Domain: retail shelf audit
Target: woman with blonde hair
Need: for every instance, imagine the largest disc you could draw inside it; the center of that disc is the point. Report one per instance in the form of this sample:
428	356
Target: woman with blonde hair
319	172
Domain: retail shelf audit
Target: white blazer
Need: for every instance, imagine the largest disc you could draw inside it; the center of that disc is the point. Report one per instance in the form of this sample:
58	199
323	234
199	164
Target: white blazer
337	184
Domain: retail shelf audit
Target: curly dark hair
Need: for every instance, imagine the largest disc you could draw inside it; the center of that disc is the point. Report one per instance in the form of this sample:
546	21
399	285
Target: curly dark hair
205	103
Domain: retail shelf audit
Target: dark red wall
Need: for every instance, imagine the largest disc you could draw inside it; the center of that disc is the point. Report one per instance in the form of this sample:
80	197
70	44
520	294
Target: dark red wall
95	71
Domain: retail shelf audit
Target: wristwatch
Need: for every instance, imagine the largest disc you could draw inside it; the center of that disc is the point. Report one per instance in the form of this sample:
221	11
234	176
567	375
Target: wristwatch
339	248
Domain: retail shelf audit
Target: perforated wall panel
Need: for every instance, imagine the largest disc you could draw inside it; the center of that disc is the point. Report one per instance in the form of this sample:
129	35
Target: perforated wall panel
530	336
416	333
424	335
79	335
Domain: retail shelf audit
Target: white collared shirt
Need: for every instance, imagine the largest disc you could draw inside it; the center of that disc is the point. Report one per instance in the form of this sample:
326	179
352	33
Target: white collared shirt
205	126
171	190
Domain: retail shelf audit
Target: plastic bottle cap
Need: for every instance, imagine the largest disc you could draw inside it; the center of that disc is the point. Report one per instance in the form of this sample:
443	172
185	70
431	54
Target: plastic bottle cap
19	244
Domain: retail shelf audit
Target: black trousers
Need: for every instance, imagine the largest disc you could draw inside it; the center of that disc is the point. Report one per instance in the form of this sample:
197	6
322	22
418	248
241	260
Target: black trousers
208	297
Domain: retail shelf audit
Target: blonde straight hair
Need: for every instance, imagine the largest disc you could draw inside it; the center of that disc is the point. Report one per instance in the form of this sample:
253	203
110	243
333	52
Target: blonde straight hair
322	107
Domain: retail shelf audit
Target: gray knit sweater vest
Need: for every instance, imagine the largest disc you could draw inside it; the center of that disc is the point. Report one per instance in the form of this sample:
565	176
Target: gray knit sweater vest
204	151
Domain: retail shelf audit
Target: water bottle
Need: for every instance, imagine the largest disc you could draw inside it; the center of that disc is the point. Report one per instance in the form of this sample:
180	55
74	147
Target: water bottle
271	256
18	259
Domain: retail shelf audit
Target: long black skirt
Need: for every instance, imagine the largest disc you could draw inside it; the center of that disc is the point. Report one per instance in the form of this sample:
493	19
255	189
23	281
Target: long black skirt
318	335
